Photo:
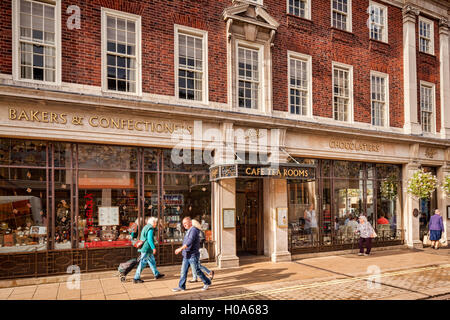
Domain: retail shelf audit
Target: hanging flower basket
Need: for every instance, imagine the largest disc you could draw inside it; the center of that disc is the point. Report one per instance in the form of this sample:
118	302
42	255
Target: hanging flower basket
446	185
422	184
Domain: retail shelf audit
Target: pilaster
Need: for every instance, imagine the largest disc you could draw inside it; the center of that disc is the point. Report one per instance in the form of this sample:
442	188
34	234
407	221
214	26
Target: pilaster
411	125
444	44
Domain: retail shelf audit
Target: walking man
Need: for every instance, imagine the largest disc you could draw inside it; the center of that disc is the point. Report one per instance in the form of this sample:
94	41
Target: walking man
191	256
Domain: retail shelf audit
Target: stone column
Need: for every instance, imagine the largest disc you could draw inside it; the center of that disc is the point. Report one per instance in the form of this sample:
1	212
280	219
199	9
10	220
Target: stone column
275	238
411	223
411	125
444	43
225	197
224	193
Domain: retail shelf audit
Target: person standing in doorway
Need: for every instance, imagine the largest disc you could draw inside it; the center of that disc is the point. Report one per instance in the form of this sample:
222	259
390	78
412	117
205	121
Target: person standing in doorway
311	222
147	251
191	256
366	233
436	227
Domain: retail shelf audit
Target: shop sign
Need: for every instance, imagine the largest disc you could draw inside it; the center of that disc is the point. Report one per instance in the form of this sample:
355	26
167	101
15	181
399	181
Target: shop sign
106	122
354	146
284	171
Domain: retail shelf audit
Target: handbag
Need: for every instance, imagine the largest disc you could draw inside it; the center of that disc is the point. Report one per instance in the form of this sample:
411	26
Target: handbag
426	240
443	240
138	244
204	255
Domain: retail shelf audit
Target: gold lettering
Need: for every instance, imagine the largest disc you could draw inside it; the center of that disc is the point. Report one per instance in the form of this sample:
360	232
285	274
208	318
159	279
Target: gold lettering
146	125
91	121
53	117
63	118
247	170
122	122
44	116
34	115
136	125
159	128
189	128
169	127
115	124
23	114
12	114
102	120
130	124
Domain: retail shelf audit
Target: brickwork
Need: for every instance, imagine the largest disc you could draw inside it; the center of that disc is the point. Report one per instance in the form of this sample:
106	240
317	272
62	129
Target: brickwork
81	50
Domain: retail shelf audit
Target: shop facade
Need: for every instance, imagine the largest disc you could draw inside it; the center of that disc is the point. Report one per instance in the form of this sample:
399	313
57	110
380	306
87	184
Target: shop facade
73	179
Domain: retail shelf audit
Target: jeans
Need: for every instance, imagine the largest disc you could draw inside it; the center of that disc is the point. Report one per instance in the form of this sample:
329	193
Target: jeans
146	258
194	262
202	267
368	242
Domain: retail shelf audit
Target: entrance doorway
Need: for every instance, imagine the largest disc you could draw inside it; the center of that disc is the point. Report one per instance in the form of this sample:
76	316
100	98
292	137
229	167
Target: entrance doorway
249	217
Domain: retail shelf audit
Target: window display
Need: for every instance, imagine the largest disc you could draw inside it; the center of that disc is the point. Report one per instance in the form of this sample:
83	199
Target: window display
23	196
99	192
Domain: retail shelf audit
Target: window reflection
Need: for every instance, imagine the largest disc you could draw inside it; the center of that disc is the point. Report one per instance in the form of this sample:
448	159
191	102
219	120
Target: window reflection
23	210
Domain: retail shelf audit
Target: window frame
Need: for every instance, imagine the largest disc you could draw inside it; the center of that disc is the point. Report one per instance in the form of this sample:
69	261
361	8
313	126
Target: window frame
307	11
308	59
386	96
261	92
348	68
432	87
189	31
105	12
385	33
349	16
431	23
16	59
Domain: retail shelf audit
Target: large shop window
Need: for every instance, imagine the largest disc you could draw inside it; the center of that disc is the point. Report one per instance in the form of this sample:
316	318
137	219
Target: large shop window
23	196
66	196
348	190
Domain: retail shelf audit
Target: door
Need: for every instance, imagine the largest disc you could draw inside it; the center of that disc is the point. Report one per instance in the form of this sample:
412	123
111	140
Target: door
249	216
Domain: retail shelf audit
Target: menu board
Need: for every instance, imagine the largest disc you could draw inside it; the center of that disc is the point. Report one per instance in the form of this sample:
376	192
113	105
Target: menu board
229	218
108	216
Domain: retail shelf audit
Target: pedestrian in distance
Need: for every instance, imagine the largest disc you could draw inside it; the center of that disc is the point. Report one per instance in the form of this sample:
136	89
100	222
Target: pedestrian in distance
436	227
148	250
366	234
202	237
191	256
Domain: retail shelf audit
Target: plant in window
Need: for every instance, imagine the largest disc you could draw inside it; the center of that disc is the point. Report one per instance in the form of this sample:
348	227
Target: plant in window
422	184
446	185
388	188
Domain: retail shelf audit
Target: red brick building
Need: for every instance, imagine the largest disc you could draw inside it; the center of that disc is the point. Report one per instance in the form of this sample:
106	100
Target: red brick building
92	94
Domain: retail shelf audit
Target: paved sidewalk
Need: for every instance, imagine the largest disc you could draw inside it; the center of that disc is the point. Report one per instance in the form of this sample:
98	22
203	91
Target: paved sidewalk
405	274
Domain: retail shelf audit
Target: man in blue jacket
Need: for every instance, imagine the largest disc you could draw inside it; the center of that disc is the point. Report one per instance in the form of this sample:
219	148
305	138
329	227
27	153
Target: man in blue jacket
191	255
147	251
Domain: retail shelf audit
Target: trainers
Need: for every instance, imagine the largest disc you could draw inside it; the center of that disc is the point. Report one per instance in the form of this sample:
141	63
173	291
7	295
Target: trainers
177	289
159	275
138	281
205	287
192	280
212	275
367	254
360	254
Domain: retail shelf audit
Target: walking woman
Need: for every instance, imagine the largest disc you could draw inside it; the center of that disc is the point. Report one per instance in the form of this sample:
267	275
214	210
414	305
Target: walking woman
436	227
366	233
197	225
147	251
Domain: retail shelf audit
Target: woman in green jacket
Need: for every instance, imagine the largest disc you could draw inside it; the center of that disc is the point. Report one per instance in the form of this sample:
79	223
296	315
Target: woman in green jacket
147	251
